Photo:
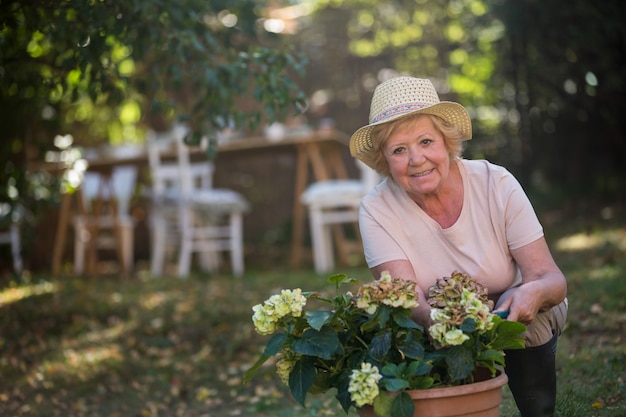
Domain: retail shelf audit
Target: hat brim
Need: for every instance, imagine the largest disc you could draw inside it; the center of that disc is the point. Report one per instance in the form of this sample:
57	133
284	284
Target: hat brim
363	148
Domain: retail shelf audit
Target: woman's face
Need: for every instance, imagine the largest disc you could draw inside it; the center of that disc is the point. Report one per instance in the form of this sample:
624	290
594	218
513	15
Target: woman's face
417	157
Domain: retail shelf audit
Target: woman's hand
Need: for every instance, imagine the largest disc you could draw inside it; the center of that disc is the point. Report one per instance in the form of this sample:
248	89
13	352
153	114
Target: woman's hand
543	284
521	303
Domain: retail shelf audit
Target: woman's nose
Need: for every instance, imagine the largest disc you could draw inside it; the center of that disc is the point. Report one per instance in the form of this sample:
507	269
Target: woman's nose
415	157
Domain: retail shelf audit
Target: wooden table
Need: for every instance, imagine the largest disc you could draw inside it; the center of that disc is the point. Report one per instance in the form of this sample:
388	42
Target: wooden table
318	158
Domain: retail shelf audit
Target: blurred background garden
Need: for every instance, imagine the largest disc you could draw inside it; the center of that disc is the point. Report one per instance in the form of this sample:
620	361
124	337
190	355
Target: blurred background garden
543	81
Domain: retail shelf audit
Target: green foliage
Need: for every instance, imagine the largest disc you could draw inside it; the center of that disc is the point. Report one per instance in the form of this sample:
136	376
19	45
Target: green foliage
107	70
539	80
320	350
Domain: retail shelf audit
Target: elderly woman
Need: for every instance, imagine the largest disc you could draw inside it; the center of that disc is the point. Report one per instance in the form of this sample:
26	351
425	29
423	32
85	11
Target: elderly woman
436	212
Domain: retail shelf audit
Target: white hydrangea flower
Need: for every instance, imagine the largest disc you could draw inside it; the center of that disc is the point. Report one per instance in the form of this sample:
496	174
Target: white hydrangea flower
285	363
385	276
437	315
263	322
363	303
455	337
438	332
276	307
363	387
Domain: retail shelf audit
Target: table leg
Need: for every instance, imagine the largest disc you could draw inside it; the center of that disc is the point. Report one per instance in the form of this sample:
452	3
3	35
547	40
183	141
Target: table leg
59	239
320	170
298	208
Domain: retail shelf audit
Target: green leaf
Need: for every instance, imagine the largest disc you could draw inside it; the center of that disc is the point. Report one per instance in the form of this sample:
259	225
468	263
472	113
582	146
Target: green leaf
275	344
340	279
468	326
508	336
253	370
336	278
460	362
394	384
382	315
369	325
383	404
343	395
418	368
317	319
380	345
491	355
379	319
322	344
412	349
403	406
391	370
301	379
424	382
404	321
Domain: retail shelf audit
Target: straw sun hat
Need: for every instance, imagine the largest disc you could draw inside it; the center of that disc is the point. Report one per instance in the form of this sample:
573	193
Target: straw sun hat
401	97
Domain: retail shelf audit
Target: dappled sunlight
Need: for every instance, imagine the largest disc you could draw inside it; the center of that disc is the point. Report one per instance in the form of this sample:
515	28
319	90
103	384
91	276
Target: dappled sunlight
109	334
81	364
605	272
20	292
84	356
90	357
154	300
588	241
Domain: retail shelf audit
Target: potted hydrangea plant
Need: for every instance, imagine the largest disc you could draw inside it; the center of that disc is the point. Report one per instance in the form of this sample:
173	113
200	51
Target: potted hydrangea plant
367	347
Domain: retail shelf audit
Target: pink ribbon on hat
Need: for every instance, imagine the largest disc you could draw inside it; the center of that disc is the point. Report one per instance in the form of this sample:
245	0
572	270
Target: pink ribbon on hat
404	108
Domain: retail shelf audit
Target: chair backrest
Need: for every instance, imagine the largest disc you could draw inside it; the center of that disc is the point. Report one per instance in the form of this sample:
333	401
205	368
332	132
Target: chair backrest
180	175
194	175
164	175
121	186
123	181
91	186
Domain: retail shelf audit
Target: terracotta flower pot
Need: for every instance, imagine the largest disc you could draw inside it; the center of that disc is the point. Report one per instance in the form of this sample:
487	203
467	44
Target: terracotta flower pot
480	399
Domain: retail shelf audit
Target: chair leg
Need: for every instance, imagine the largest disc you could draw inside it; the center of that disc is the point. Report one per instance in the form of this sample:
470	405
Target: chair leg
329	254
321	241
184	257
16	248
159	236
186	222
236	243
127	243
80	247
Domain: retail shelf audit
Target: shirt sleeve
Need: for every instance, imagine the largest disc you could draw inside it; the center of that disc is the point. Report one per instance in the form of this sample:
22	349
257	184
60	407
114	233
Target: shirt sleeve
521	223
379	244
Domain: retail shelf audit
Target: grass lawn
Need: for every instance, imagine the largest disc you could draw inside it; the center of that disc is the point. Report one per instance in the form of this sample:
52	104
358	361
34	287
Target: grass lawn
146	347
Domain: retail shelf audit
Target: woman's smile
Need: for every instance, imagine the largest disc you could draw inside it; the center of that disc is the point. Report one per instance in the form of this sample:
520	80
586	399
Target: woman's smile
423	173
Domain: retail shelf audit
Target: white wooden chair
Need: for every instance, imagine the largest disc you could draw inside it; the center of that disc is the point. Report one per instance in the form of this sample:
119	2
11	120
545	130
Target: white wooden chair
188	213
11	234
330	204
106	222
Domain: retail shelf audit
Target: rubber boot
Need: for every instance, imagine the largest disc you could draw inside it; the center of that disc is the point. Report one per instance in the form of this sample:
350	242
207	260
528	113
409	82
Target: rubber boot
532	378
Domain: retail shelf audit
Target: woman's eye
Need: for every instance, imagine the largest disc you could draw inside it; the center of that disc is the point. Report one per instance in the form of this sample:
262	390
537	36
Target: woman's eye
426	141
397	151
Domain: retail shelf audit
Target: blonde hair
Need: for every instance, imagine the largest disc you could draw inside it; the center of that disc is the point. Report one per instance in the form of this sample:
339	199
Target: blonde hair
379	134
